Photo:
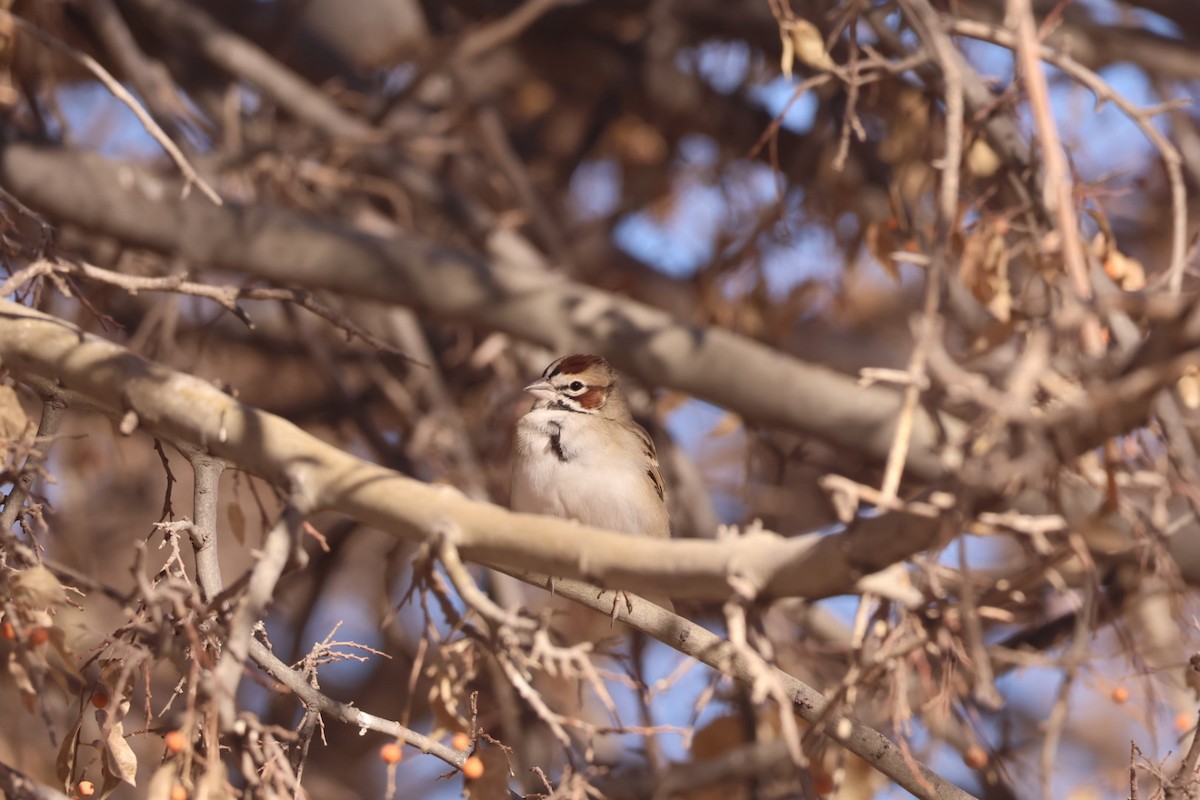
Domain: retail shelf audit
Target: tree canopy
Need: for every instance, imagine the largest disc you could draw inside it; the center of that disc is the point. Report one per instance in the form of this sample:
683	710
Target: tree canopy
904	291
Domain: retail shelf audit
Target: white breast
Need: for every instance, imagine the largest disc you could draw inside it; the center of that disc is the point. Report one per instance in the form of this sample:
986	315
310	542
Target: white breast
600	478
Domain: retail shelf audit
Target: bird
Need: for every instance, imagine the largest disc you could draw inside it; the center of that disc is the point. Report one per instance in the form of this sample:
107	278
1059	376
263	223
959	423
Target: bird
578	454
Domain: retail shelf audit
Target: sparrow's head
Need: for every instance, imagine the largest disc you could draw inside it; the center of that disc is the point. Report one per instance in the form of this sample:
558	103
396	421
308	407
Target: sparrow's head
582	383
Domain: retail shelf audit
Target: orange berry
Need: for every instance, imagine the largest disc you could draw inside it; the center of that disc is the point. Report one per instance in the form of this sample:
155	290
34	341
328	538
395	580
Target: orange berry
391	753
461	741
1184	722
85	788
1119	695
473	768
100	699
975	757
178	792
8	631
175	742
39	635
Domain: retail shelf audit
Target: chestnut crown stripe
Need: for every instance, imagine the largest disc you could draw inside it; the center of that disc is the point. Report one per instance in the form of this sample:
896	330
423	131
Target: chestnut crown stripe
576	364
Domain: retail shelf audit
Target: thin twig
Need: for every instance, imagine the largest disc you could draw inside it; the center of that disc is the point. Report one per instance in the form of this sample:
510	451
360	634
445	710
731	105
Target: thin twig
703	645
952	82
1058	186
227	296
121	93
1141	117
1073	661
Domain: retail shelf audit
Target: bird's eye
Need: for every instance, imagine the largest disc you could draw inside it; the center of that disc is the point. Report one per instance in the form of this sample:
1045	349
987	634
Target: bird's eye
576	386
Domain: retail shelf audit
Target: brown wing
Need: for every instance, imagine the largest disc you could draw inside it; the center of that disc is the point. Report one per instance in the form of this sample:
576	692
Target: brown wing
652	470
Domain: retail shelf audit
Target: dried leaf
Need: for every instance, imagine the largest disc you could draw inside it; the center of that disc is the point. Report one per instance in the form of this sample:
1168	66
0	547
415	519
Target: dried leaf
111	781
68	752
237	522
981	160
803	40
119	757
37	588
983	268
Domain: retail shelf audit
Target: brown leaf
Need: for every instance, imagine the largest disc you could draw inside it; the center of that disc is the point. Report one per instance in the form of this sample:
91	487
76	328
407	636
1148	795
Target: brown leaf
119	757
37	587
68	752
981	159
237	522
803	40
983	267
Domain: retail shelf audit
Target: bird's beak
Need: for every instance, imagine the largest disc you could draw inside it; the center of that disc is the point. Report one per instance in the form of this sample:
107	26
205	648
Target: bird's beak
541	389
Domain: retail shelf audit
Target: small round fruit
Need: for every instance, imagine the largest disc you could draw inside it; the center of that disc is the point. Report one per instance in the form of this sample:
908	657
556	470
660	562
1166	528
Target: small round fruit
1120	695
175	742
391	753
100	699
85	788
473	768
39	635
178	792
975	757
8	631
461	741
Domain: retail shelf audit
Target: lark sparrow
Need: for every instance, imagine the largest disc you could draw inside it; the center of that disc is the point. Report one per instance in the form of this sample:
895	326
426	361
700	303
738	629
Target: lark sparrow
579	454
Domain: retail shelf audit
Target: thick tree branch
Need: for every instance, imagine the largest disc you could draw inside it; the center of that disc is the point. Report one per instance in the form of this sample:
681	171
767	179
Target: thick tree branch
762	385
49	353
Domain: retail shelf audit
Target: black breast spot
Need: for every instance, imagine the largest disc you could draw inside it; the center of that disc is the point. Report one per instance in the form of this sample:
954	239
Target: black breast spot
556	441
